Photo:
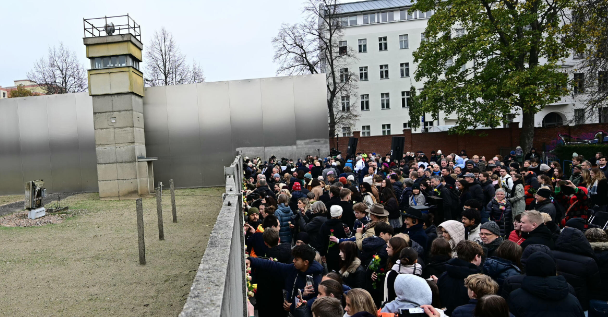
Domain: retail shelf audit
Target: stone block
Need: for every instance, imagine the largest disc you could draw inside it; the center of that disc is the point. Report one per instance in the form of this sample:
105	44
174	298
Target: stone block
104	137
142	169
128	188
102	104
105	154
124	135
138	120
138	103
125	153
140	150
108	189
126	170
139	135
107	172
144	187
124	119
102	120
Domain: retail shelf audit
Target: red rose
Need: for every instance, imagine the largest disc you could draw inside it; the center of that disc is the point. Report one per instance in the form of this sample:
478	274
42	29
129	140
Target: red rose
381	270
331	230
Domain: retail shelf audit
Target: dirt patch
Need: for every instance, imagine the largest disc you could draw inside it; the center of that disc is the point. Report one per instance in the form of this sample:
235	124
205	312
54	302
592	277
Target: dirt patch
87	265
20	219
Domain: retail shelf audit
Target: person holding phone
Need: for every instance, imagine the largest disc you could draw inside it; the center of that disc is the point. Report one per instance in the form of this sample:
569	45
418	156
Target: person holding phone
573	199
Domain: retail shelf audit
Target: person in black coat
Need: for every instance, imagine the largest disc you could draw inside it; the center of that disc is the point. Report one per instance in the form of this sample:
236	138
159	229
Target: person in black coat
413	227
598	239
279	251
452	291
332	227
449	208
348	214
314	223
542	293
475	188
575	260
440	254
351	269
534	230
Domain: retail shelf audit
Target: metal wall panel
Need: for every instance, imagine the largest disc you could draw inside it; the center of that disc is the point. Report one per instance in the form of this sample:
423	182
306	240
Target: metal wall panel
86	142
11	177
310	102
63	142
157	132
214	130
278	109
184	140
34	140
246	113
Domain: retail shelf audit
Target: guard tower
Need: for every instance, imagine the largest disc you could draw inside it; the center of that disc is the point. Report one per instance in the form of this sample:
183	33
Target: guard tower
117	87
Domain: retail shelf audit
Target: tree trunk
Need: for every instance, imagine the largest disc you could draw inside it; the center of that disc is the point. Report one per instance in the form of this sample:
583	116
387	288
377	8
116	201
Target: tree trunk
526	137
332	119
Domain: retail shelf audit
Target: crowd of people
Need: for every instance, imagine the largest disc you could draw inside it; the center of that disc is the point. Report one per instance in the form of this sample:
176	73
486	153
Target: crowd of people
445	235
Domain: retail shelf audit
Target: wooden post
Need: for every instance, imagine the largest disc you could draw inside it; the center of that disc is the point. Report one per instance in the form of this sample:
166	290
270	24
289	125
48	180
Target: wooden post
140	232
159	211
173	209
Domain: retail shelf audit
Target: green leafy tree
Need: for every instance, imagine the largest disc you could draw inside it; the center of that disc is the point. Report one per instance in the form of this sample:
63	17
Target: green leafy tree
485	59
21	91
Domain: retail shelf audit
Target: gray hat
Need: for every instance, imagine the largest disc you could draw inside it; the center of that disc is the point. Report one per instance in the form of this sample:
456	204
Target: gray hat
409	181
491	226
469	175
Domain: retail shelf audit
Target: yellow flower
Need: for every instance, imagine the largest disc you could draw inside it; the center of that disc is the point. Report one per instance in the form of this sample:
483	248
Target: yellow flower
255	286
376	257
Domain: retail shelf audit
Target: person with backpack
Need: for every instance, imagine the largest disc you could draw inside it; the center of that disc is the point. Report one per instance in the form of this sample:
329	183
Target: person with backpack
506	181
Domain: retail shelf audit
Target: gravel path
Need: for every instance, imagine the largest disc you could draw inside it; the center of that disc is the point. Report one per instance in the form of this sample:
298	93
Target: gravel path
18	206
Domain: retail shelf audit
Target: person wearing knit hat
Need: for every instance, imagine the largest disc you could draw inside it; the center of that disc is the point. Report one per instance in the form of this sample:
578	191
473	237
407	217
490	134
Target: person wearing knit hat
302	238
544	168
335	211
489	233
543	202
343	180
543	292
332	227
351	178
308	175
577	223
253	217
296	186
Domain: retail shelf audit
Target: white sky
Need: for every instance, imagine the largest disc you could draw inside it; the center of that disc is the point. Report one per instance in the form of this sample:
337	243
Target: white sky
230	39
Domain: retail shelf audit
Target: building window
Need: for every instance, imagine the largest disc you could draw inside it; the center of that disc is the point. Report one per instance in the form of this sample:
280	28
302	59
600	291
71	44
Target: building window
365	130
352	20
406	125
363	73
429	14
3	94
403	41
365	19
602	81
365	102
421	15
362	45
405	69
406	100
384	16
383	71
343	75
422	37
369	18
386	129
579	116
391	16
114	61
403	15
343	47
579	83
345	102
385	102
552	119
459	32
603	114
449	62
346	131
382	43
428	124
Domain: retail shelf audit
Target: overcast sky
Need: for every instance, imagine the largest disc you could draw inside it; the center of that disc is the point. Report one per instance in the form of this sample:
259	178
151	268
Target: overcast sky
230	39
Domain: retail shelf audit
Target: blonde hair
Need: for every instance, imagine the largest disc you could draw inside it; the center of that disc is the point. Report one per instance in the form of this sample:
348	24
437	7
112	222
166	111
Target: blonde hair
403	236
481	285
361	300
546	217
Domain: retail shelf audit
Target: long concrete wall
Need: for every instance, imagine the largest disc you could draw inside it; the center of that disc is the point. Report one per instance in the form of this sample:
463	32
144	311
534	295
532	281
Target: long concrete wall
219	287
194	130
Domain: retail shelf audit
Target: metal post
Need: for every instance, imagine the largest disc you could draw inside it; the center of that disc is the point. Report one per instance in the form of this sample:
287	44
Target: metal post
173	209
140	232
159	211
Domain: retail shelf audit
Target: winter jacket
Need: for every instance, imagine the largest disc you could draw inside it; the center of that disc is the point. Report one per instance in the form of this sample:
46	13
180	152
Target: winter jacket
488	249
417	234
600	292
436	265
256	246
574	258
318	191
333	227
392	206
417	200
348	214
601	198
473	234
576	205
544	296
431	233
389	281
452	291
293	279
281	252
398	189
313	227
517	199
516	237
546	206
476	191
488	192
372	246
540	235
449	206
456	231
354	275
514	282
499	269
468	310
285	215
404	200
293	202
501	213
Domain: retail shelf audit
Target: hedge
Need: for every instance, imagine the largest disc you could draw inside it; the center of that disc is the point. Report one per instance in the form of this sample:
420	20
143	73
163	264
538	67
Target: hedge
564	152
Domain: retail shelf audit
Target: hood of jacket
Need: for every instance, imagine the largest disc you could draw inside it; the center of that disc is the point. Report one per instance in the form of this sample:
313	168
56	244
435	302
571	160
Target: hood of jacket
534	248
412	291
573	241
315	268
415	268
455	229
460	269
599	246
372	243
495	266
553	288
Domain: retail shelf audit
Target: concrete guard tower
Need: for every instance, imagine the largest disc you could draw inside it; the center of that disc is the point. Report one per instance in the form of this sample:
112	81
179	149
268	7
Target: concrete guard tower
117	87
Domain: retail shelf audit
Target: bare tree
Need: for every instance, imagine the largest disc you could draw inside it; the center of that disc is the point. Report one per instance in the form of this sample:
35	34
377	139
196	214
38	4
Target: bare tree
59	73
166	65
313	47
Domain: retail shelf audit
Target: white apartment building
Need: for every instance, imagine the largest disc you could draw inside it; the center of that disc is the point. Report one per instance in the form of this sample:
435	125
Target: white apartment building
384	34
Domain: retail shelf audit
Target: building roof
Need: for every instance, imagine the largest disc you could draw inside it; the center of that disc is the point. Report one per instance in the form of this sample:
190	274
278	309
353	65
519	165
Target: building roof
372	5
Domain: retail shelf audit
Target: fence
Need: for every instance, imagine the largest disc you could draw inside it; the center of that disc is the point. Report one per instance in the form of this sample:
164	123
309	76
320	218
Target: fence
219	287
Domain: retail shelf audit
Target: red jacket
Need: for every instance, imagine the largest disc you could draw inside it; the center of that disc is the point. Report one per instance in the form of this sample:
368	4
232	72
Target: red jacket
516	237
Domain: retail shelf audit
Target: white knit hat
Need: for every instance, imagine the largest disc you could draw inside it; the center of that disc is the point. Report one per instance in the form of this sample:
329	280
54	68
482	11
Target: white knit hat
335	211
